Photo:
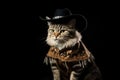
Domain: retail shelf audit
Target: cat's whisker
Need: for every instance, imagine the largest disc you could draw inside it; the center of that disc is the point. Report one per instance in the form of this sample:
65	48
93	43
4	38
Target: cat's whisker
43	39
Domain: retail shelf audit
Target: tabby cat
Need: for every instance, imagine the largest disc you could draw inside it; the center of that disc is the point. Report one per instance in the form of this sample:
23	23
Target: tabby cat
68	56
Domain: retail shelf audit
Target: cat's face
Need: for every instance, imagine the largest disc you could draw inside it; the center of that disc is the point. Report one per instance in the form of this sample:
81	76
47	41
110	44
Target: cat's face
60	33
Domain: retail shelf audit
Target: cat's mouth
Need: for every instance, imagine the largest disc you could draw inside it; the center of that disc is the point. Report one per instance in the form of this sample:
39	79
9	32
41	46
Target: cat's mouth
59	41
56	39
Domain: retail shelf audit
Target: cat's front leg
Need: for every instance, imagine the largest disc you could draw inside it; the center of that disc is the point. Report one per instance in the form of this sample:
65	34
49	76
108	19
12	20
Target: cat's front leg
56	73
55	70
76	72
74	75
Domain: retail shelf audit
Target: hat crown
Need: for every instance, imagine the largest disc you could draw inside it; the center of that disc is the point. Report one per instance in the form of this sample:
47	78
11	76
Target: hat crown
65	15
62	12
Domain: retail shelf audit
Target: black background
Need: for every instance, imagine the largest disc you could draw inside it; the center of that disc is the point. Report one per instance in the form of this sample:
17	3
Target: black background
26	33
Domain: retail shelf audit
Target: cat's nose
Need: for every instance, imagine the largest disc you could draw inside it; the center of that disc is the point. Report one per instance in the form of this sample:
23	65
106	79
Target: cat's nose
56	34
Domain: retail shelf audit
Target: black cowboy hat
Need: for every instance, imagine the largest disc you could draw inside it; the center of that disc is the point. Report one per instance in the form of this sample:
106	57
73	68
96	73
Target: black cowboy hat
63	15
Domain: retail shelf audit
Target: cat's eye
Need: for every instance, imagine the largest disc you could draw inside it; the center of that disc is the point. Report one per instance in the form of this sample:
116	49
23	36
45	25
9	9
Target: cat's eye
51	30
62	30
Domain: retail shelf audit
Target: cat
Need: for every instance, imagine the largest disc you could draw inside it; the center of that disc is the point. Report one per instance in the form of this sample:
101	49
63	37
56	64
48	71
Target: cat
68	56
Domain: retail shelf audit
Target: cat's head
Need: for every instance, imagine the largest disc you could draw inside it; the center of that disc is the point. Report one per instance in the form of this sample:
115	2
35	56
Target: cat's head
61	35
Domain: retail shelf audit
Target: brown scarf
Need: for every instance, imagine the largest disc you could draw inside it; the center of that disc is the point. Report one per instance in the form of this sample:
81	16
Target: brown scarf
75	53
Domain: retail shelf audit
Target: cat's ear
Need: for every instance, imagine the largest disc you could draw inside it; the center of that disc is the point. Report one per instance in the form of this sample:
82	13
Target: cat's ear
72	22
49	23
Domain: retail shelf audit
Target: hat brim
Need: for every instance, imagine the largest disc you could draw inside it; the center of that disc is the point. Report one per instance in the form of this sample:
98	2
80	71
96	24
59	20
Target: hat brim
62	18
81	21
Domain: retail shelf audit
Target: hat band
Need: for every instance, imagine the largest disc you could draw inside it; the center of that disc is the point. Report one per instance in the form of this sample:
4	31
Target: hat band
57	17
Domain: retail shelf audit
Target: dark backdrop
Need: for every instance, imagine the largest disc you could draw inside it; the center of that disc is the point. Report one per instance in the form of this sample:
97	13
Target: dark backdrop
27	35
